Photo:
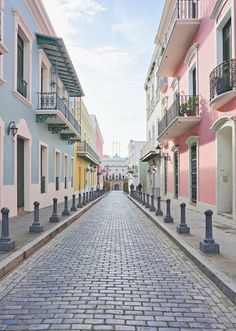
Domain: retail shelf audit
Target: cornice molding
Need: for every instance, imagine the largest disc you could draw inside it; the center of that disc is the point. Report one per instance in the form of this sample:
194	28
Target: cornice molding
192	50
216	9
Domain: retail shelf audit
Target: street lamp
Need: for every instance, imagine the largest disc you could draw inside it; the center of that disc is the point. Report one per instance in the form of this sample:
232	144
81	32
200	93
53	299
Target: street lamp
12	128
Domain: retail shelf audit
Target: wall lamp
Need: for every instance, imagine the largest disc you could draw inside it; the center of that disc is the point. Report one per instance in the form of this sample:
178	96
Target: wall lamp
12	128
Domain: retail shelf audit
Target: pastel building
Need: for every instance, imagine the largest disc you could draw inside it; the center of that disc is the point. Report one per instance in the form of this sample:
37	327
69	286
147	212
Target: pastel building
38	120
116	171
195	56
134	171
99	149
86	158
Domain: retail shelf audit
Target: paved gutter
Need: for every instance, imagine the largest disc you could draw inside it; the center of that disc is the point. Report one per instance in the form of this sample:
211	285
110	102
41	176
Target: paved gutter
220	279
12	261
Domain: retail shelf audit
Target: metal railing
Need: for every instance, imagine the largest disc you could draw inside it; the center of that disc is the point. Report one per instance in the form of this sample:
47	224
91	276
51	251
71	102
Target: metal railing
83	147
43	184
184	105
223	78
57	183
22	87
52	101
183	10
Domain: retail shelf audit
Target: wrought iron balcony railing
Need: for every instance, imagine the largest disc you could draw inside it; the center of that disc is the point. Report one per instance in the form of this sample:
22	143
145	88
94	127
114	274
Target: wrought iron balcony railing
22	87
52	101
84	148
223	78
183	106
183	10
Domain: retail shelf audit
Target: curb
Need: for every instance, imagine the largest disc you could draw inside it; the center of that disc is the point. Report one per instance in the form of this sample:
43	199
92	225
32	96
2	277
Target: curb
11	262
221	280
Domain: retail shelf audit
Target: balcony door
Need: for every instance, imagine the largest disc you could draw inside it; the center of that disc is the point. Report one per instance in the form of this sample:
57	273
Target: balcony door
165	175
227	41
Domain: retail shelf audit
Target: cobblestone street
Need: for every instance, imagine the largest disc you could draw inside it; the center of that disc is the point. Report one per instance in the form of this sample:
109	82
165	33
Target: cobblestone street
112	270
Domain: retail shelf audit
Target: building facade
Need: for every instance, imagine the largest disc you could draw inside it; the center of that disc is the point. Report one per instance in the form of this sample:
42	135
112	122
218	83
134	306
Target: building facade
99	148
38	125
134	172
116	171
195	57
86	158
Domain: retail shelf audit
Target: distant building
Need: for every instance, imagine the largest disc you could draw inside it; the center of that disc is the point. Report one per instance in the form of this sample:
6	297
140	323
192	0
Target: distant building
134	173
116	171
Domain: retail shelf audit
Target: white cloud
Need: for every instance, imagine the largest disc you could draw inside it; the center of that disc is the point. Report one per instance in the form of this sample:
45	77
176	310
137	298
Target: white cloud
65	14
130	29
108	60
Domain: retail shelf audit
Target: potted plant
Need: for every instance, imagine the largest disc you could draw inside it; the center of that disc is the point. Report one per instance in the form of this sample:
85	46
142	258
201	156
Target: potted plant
192	106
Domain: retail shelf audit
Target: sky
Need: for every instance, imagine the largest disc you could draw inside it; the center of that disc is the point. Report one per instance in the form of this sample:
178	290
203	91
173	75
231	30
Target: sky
111	43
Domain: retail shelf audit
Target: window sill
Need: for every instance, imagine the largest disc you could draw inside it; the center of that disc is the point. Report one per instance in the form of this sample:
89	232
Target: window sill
23	99
3	48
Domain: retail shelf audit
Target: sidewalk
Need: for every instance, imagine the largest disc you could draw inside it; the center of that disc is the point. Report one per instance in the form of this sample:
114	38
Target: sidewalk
221	269
27	243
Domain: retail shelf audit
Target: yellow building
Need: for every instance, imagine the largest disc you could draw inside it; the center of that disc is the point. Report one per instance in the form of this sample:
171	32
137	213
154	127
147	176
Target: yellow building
86	160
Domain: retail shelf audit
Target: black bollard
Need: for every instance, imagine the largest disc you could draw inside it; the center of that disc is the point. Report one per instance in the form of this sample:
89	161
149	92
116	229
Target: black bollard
147	203
168	218
6	243
182	228
87	197
73	207
144	202
54	217
66	211
36	227
79	205
152	208
159	211
140	197
208	245
84	200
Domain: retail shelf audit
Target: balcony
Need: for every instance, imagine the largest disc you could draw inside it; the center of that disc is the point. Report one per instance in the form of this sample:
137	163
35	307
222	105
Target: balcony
149	151
86	152
183	25
53	111
163	83
223	84
179	118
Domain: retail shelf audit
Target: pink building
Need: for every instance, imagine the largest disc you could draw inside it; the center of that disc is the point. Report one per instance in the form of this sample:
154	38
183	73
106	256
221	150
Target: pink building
194	82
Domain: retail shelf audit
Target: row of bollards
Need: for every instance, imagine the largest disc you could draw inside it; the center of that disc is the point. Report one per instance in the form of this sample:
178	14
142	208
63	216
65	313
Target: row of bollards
207	245
7	244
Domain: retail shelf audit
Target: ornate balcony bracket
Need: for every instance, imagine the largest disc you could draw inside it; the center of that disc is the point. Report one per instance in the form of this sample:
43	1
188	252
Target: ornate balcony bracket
57	128
67	136
43	118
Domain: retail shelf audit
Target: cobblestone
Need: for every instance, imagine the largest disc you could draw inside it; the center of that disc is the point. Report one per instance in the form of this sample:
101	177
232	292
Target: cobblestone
112	270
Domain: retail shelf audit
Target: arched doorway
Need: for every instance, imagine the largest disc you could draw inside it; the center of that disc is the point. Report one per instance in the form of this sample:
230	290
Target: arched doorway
116	186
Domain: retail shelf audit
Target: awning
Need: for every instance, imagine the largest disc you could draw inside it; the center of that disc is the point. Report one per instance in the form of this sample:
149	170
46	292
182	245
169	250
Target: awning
57	54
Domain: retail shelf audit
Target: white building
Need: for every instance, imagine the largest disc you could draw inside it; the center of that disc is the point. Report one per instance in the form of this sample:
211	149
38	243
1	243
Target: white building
116	171
150	152
134	150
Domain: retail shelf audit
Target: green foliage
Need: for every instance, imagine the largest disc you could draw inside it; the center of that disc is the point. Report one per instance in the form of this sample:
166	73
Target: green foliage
125	186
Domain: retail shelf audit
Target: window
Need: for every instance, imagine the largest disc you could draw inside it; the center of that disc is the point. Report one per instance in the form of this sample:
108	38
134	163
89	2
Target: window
165	174
66	171
72	172
193	176
22	59
176	174
44	67
226	41
43	168
58	170
21	83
